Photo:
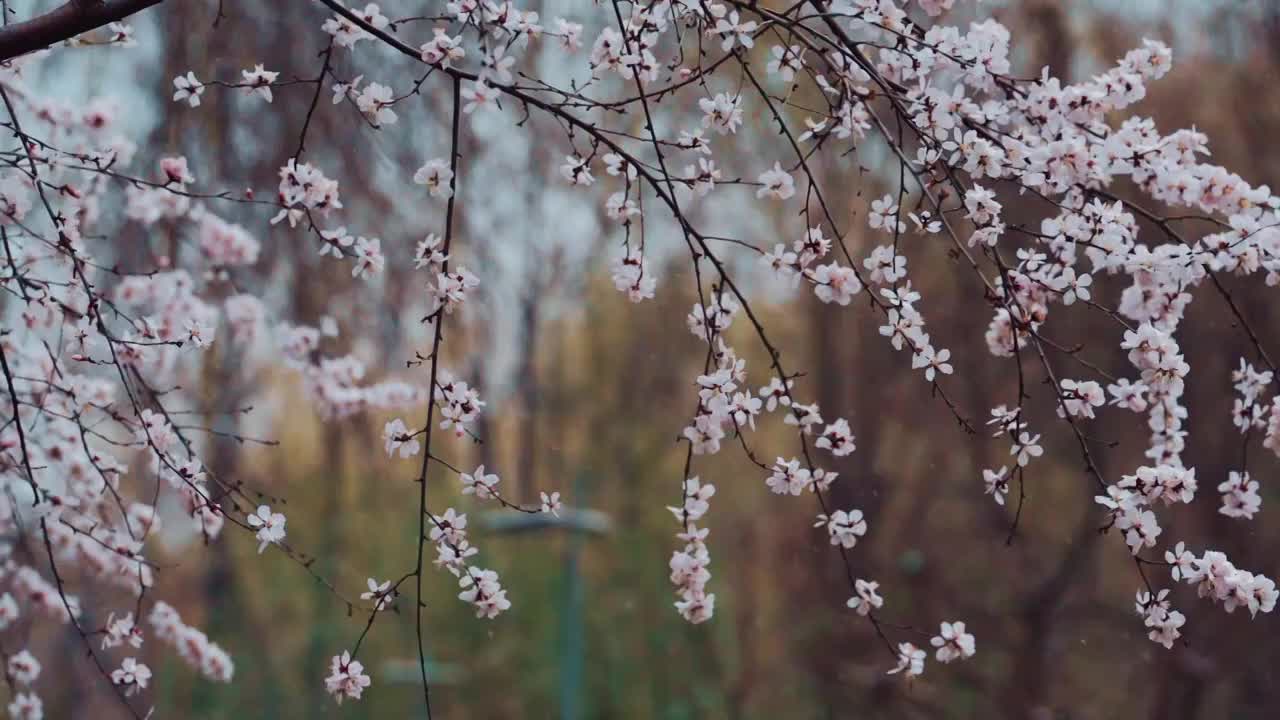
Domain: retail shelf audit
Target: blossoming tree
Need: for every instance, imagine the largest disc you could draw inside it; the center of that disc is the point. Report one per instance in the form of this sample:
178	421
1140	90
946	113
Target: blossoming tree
645	99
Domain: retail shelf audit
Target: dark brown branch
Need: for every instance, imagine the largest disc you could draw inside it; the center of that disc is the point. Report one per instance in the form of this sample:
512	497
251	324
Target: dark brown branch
63	23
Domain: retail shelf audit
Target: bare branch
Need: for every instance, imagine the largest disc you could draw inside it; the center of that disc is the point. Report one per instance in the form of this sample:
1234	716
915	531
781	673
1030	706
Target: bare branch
63	23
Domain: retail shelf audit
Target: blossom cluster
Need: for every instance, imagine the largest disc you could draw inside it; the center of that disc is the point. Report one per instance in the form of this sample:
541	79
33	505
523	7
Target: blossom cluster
96	345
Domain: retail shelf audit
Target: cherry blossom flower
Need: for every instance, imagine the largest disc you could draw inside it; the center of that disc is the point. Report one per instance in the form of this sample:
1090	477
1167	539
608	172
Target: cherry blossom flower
997	483
443	50
1027	446
884	214
732	29
23	668
632	276
121	35
497	65
933	361
1240	498
479	95
479	484
26	706
953	643
375	102
429	254
381	593
397	439
1079	398
551	503
200	335
176	171
1157	615
910	659
369	259
270	526
304	187
835	283
121	631
346	33
258	81
437	176
837	438
785	61
570	34
722	113
844	528
577	171
188	88
482	589
336	242
867	598
776	183
346	680
132	675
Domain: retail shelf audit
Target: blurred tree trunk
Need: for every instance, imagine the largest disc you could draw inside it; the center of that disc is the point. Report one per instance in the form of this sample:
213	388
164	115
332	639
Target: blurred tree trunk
829	652
1029	685
839	384
527	376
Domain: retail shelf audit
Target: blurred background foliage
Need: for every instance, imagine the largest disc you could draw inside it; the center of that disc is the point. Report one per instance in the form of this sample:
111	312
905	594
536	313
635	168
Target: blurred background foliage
588	394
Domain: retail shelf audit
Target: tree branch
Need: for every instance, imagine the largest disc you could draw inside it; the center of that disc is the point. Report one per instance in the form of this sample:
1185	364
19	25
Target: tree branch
64	22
